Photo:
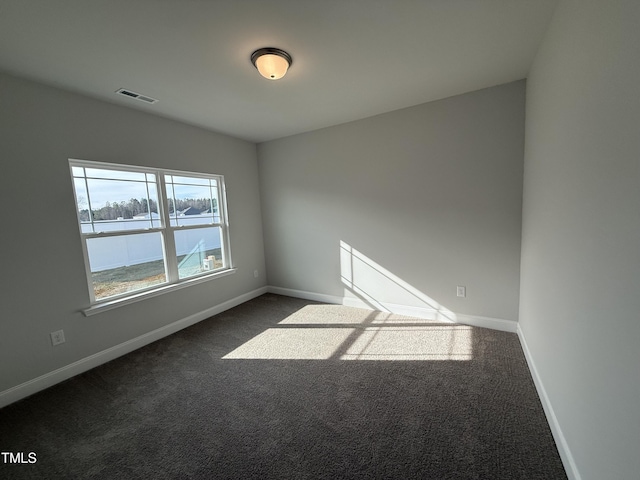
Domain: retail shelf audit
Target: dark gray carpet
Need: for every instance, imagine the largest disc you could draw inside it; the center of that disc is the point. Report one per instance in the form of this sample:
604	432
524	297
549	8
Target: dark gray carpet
329	393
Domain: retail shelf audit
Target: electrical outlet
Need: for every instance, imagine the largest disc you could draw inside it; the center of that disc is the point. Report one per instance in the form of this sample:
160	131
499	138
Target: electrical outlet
255	274
57	337
461	291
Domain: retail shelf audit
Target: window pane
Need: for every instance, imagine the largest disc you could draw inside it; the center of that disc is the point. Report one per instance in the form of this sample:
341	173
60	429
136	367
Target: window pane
187	180
82	200
198	251
120	204
125	263
192	200
114	174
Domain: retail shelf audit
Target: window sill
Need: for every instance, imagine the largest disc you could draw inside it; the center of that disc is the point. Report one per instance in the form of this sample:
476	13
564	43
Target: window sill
111	304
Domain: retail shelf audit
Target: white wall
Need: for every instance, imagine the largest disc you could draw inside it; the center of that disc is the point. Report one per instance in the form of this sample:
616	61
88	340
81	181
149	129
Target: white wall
580	302
402	207
43	282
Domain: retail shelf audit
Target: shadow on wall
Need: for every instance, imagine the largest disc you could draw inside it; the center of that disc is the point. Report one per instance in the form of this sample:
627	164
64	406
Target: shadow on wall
374	285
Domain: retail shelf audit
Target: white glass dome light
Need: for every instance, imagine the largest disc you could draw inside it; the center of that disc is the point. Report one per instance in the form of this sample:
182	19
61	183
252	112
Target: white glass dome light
272	63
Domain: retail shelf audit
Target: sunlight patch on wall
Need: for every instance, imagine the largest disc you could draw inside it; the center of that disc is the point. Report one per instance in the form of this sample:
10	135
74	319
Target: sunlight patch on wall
382	290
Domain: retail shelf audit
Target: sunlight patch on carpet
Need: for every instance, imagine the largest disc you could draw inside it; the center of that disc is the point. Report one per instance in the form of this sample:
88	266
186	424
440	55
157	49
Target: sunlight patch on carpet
411	343
381	343
292	344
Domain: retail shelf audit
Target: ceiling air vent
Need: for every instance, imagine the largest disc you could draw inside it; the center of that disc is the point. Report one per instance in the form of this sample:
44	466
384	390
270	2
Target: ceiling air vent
137	96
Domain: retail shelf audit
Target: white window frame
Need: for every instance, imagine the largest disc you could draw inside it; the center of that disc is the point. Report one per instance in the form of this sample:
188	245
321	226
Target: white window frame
167	233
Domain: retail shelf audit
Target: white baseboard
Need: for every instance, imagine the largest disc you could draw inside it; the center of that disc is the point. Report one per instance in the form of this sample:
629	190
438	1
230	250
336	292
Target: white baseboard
561	442
316	297
49	379
419	312
488	322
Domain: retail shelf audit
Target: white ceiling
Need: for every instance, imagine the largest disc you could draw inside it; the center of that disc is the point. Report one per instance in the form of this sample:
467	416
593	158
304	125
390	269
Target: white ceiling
351	58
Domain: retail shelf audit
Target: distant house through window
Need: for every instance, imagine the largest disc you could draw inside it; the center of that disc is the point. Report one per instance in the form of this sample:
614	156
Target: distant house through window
144	228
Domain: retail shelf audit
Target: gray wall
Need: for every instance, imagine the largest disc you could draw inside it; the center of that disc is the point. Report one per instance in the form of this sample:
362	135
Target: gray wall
43	278
580	302
430	197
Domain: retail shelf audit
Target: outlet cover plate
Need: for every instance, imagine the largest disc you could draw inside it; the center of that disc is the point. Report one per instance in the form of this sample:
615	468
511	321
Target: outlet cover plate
57	337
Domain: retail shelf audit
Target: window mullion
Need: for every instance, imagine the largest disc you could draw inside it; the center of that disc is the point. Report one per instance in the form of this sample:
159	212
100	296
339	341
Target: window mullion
86	187
224	220
168	238
146	184
120	233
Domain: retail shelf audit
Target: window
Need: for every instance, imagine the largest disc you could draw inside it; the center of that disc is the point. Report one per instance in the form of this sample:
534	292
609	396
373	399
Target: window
144	228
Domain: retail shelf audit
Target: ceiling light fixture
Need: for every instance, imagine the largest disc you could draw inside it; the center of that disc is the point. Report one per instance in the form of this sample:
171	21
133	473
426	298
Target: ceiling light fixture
272	63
